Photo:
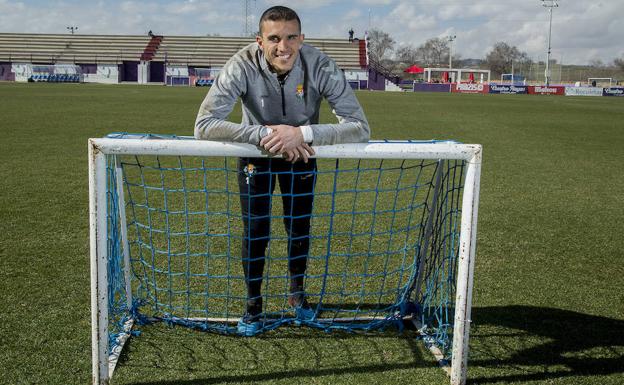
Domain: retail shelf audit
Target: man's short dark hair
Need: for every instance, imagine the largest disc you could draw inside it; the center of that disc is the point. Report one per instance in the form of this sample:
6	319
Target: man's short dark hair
278	13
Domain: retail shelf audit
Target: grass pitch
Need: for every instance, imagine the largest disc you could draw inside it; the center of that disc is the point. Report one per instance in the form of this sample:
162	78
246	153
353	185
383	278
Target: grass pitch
548	301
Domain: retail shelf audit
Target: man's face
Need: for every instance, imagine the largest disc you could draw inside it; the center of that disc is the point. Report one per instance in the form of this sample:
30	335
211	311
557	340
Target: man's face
280	42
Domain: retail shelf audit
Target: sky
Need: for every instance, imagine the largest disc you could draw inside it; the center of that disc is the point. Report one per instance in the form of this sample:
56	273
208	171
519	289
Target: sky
583	31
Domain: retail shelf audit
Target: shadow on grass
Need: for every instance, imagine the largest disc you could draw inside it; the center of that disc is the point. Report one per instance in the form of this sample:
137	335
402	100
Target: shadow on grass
298	355
509	344
545	344
296	376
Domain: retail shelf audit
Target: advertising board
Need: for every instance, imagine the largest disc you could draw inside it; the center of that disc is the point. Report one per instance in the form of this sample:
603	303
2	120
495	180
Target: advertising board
583	91
431	87
546	90
471	88
507	89
613	91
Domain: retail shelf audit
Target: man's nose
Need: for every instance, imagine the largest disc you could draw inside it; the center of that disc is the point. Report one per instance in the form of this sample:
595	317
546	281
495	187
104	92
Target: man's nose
282	45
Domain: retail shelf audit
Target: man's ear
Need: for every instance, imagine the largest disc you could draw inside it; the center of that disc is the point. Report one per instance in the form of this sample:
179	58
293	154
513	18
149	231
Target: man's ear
259	40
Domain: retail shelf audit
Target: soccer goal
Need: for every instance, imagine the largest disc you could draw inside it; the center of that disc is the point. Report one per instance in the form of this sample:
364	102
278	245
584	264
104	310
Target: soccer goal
392	241
600	82
173	80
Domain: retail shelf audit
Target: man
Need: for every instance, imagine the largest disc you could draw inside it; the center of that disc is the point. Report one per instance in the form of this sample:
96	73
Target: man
281	83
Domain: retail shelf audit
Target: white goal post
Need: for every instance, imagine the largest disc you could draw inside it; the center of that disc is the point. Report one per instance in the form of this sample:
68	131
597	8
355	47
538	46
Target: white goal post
103	152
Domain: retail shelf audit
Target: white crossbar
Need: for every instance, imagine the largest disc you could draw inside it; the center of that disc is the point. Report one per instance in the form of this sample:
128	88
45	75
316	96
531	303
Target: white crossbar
372	150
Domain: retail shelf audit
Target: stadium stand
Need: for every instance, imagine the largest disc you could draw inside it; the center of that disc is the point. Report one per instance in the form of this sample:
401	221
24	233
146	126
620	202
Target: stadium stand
52	49
215	51
190	50
133	56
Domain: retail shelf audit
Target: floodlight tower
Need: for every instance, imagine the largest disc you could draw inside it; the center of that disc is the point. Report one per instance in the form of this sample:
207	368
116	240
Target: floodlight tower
550	4
248	16
72	29
451	39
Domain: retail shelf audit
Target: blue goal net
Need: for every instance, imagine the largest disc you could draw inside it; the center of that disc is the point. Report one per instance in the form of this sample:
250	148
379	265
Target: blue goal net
383	245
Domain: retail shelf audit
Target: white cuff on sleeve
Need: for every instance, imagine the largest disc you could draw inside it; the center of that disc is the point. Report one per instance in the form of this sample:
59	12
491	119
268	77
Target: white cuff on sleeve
308	135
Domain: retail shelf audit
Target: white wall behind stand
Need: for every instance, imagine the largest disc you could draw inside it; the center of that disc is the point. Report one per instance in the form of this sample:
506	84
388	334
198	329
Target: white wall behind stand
105	73
143	75
22	71
356	75
177	71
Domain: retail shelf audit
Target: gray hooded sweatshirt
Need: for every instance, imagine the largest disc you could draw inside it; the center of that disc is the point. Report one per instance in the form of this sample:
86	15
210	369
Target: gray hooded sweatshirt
294	101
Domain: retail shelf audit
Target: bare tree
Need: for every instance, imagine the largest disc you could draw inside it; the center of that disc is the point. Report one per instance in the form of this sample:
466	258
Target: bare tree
596	63
501	58
619	63
380	45
434	52
407	54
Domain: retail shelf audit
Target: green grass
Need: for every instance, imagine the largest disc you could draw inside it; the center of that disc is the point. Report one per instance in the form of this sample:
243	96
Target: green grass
548	301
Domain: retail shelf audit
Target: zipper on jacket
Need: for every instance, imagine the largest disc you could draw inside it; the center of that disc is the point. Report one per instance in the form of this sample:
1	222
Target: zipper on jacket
281	83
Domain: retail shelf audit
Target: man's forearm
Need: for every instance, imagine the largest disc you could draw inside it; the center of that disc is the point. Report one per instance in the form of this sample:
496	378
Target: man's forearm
211	128
348	132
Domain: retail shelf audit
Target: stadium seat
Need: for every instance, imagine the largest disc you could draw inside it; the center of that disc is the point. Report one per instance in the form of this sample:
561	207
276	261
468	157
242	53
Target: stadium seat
203	82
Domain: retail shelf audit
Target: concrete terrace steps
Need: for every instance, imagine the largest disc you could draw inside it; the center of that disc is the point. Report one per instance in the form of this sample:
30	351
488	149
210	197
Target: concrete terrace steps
182	50
151	48
64	48
215	51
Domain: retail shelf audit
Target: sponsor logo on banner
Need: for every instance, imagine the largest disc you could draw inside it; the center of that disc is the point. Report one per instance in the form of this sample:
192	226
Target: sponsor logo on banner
543	90
613	91
503	89
470	88
583	91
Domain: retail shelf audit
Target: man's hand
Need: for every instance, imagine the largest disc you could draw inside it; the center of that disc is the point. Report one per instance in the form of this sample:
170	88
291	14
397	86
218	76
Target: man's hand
287	141
283	138
302	152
